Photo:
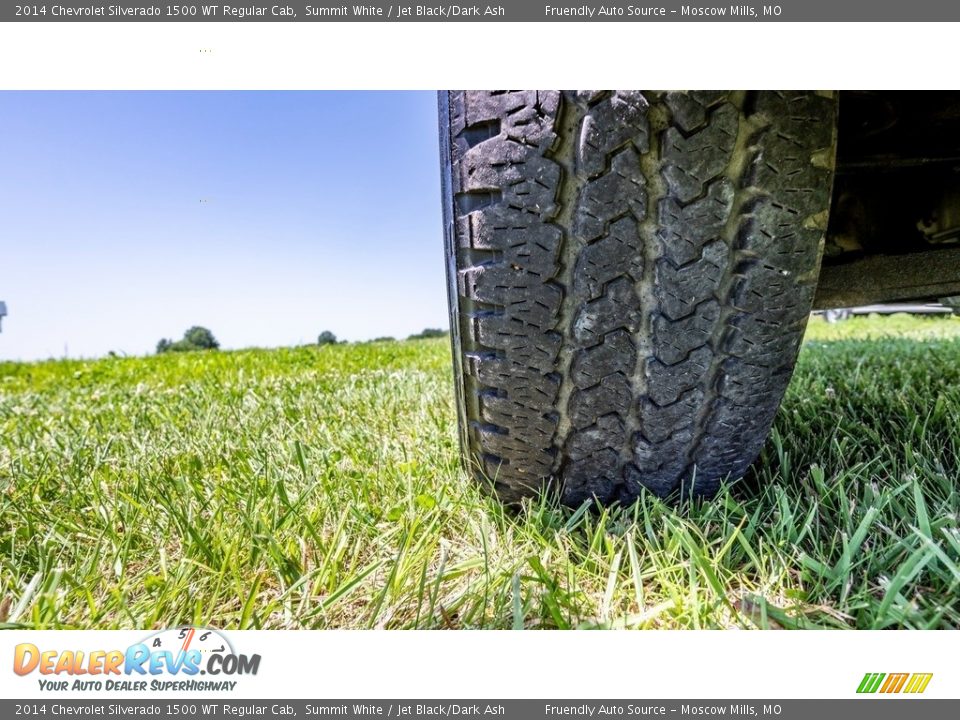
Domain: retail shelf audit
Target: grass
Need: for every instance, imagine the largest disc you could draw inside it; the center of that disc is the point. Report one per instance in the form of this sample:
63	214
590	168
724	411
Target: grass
320	487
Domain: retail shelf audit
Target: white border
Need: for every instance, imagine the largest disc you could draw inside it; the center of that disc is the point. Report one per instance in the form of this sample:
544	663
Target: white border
370	55
561	665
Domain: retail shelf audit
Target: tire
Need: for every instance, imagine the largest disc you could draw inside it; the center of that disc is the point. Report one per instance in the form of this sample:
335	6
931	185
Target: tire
630	275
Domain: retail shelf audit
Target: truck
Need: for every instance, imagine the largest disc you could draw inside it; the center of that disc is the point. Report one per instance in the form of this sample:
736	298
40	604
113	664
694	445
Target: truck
630	273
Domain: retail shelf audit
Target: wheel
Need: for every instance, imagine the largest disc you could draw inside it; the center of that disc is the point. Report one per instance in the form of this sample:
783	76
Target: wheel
630	275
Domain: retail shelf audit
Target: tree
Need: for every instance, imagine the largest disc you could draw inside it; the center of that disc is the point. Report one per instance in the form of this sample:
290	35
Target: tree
196	338
200	338
326	338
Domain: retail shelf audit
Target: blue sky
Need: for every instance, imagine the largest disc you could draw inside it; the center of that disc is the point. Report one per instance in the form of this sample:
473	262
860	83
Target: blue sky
267	217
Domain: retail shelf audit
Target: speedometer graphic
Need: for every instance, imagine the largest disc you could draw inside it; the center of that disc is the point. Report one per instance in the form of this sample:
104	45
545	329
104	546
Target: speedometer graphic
189	637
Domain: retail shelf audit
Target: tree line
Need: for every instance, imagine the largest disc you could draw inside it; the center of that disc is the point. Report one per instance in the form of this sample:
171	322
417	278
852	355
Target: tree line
201	338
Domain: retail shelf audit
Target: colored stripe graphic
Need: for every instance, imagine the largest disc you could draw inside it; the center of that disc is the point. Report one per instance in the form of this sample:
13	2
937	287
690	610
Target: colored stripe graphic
918	682
894	683
870	682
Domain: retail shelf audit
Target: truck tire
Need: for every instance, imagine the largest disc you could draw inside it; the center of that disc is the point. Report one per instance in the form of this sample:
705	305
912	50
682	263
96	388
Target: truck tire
630	275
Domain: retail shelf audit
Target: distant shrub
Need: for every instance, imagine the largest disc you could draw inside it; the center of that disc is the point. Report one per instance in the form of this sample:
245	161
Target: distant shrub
428	333
196	338
385	338
326	338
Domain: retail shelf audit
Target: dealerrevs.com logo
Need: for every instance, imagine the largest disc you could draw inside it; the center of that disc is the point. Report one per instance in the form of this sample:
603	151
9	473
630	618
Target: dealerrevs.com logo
168	660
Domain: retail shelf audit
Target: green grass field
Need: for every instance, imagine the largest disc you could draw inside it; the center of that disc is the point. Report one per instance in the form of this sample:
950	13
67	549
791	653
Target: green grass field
320	488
